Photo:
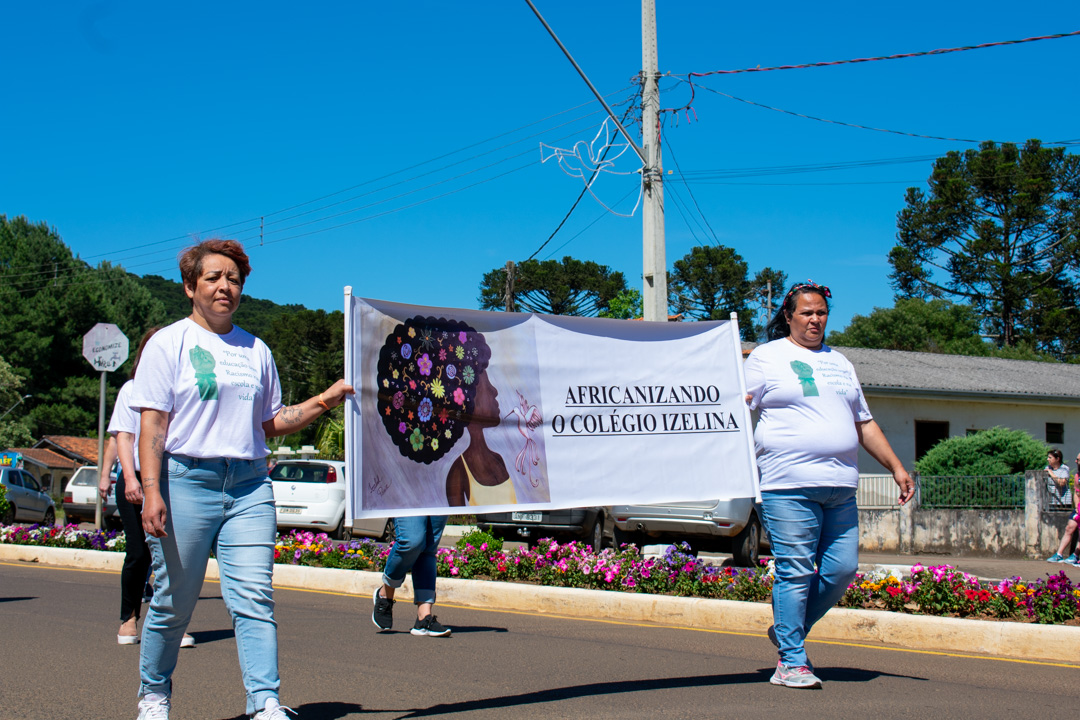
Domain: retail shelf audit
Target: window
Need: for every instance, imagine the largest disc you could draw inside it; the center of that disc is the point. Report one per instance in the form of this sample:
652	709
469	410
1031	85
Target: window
928	433
1055	433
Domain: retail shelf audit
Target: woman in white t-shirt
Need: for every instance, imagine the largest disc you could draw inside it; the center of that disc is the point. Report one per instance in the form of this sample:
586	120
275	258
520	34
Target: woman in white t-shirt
813	417
209	396
123	446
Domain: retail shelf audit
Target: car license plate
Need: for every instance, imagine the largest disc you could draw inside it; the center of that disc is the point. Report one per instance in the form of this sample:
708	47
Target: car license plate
289	510
526	517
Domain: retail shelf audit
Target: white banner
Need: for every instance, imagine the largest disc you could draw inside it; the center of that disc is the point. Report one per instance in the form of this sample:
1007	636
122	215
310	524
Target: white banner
464	411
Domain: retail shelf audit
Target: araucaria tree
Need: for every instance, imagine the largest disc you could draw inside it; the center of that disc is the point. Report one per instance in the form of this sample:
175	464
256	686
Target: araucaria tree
712	281
998	230
553	287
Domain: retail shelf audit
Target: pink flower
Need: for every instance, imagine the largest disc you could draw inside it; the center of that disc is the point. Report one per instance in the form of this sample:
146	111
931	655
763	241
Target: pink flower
453	571
459	396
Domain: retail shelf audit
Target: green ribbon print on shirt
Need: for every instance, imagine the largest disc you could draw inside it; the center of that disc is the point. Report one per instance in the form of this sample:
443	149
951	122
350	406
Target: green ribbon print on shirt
204	362
806	377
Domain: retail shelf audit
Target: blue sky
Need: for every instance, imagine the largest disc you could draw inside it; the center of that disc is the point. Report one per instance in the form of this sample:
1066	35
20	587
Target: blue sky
132	127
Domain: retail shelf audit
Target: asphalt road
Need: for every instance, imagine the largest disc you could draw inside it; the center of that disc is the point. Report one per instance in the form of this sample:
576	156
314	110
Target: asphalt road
59	659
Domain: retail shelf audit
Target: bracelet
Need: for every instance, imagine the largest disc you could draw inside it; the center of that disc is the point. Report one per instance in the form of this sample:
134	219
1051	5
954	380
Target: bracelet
323	403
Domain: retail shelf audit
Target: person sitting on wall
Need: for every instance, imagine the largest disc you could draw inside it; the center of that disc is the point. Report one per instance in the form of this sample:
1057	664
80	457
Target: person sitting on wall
1074	521
1057	479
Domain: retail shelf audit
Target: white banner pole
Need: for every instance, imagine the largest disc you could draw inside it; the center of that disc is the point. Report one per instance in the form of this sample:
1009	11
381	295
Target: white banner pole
349	448
736	344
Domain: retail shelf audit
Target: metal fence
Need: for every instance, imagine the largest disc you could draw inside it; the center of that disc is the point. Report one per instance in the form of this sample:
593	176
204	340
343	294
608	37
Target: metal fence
879	492
970	491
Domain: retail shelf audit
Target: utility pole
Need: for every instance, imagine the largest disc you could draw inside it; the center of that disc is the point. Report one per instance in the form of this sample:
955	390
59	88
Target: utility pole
508	289
654	298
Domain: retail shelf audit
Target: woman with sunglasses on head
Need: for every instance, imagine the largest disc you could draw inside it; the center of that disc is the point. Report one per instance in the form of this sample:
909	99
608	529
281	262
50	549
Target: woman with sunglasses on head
813	417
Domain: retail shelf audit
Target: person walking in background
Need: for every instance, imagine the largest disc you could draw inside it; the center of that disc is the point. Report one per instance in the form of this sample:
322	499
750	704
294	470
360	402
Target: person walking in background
1074	521
123	444
813	417
416	540
209	396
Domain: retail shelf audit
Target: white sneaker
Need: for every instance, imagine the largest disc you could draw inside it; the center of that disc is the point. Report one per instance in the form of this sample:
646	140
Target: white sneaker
187	641
154	706
273	711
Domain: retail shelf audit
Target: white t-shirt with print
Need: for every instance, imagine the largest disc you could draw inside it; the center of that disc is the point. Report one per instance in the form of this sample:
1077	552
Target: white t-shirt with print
809	402
217	389
124	418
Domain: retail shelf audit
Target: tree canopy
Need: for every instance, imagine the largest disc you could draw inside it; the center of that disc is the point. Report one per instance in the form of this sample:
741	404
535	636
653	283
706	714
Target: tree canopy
51	299
554	287
998	230
710	282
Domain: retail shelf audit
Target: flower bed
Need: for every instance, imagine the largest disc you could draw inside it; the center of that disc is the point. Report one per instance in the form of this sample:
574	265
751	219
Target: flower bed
66	536
938	590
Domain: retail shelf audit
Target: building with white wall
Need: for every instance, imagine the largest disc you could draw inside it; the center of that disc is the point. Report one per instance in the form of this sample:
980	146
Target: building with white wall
919	399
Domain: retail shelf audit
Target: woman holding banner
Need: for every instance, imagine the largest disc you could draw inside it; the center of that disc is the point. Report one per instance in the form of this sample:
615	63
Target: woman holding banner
209	396
813	417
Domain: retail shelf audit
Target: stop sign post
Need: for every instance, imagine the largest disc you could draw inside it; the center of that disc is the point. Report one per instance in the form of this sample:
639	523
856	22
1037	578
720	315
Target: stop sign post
106	348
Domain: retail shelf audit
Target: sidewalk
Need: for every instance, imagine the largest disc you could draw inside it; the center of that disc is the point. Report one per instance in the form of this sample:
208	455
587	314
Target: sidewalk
1059	644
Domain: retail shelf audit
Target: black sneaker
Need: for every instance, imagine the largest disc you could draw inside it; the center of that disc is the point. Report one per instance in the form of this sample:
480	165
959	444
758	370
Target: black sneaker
383	612
431	627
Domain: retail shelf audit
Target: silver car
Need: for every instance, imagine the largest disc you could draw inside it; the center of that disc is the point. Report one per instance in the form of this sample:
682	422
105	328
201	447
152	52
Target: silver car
26	501
711	525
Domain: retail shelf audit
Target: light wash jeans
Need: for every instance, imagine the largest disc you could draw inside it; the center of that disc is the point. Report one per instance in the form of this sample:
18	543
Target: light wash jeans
225	505
415	541
808	527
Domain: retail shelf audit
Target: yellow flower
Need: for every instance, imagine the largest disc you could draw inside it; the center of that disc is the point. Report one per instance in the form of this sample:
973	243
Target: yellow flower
437	388
412	332
395	374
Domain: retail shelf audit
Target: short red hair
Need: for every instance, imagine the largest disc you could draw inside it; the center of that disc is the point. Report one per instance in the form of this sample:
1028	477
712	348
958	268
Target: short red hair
191	260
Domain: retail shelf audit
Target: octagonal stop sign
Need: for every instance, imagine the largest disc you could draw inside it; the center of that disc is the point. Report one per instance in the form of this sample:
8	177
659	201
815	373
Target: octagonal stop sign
105	347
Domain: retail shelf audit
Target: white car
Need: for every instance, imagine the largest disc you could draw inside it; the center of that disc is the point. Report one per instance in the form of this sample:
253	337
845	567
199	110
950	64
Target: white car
80	498
310	494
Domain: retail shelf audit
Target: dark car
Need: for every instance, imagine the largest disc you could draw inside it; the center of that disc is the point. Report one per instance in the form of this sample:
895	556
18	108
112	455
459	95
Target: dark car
592	525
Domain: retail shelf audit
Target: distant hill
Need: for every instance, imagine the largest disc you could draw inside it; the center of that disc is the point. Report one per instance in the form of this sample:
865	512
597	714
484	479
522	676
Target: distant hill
254	315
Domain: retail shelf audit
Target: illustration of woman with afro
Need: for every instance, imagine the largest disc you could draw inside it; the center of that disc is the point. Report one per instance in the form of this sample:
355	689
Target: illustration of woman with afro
432	385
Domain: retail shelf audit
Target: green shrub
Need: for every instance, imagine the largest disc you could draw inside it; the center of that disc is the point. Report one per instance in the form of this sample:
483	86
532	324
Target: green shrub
997	451
4	505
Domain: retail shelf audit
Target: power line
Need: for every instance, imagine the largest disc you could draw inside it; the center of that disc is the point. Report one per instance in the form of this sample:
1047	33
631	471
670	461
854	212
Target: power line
253	222
865	127
701	212
900	56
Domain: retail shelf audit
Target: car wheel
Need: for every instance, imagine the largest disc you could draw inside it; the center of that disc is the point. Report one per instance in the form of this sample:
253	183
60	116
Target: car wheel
596	539
50	518
341	532
621	537
9	515
744	546
388	532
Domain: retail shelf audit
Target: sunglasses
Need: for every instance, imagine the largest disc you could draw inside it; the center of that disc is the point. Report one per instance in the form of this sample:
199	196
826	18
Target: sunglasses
809	284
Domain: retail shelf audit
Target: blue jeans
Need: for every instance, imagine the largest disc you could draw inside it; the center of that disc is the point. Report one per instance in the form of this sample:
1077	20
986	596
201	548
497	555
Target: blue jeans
808	527
225	505
415	541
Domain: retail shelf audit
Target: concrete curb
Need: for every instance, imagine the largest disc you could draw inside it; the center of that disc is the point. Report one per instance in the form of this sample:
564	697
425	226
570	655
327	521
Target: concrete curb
1000	639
